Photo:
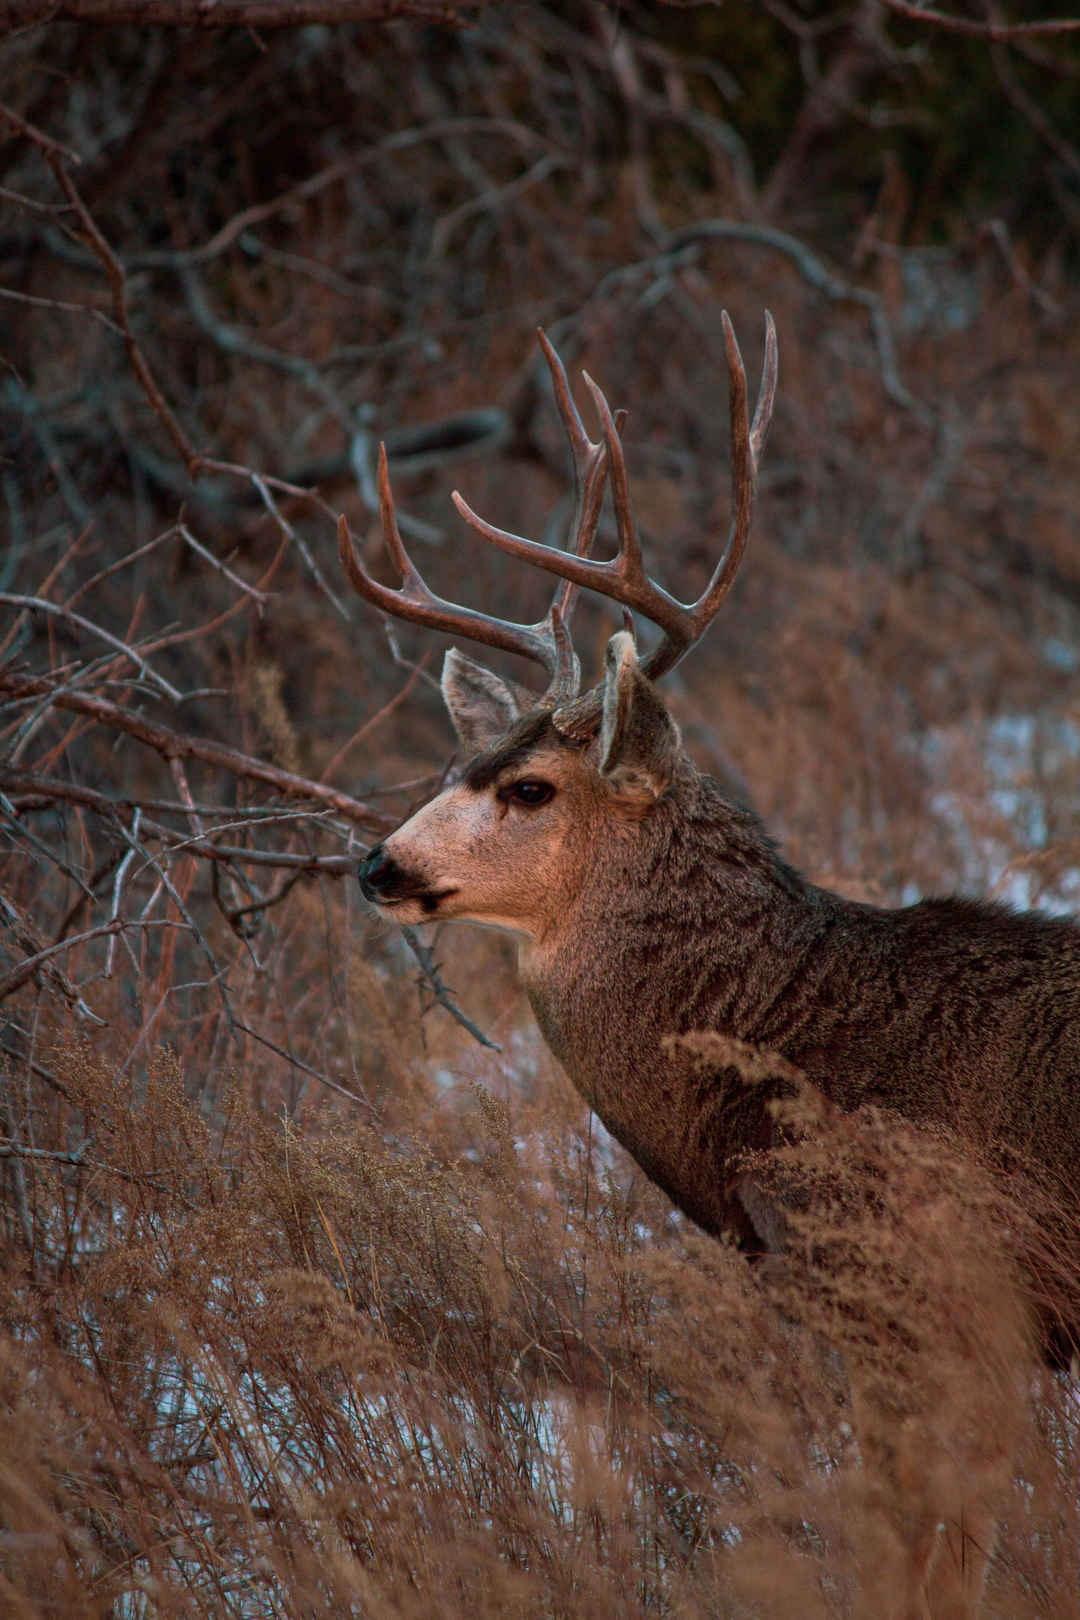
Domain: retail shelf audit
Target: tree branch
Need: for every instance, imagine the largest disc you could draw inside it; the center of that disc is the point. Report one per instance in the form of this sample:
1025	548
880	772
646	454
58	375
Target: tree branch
175	745
982	30
233	13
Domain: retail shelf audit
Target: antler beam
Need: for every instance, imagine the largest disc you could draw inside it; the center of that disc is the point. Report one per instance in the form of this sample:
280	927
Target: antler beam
546	643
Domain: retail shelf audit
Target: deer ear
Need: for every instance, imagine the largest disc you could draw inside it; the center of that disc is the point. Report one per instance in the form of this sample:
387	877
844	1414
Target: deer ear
482	706
639	741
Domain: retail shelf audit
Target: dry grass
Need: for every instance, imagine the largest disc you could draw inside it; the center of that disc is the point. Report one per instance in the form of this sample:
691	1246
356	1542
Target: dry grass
254	1367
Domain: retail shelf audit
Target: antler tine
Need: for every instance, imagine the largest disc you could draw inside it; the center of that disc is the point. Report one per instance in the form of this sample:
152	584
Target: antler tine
623	578
588	463
628	564
763	410
580	443
743	474
546	643
747	443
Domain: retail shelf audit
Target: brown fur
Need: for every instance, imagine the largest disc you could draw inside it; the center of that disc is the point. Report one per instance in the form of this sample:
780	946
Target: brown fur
948	1011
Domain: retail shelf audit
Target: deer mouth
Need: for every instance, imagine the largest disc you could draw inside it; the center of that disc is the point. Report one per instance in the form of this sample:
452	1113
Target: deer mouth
388	884
428	899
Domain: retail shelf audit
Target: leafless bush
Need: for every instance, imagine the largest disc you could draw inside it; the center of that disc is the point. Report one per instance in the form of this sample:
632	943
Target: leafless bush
312	1303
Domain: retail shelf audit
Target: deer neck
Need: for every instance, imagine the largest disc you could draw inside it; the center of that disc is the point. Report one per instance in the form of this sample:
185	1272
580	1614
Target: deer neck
687	926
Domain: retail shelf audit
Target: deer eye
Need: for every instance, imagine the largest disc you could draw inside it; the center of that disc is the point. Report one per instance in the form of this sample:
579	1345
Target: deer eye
530	792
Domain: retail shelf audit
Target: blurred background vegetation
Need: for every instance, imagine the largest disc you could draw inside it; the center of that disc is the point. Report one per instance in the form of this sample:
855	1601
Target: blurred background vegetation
313	1303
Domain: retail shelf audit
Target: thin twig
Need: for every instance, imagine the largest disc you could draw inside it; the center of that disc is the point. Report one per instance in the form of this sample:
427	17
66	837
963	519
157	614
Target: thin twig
37	604
222	14
45	142
305	1068
260	597
118	889
26	969
114	568
16	1150
34	791
438	131
430	969
998	232
818	275
377	718
117	281
61	304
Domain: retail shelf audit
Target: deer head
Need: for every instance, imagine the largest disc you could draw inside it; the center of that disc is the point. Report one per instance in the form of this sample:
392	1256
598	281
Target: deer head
548	775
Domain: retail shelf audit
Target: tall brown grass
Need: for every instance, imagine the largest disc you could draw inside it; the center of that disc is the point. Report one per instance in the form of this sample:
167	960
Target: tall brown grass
253	1366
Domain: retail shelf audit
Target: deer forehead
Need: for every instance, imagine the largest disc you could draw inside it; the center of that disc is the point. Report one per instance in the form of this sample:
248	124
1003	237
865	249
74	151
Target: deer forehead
515	761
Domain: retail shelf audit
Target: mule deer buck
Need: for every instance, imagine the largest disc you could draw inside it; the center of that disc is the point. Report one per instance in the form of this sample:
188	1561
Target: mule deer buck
648	904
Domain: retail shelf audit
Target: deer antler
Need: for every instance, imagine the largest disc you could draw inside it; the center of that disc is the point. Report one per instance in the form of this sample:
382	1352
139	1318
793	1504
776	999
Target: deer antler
547	642
623	578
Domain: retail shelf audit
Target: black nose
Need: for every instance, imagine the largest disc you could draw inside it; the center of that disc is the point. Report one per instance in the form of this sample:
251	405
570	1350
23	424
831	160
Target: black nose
378	873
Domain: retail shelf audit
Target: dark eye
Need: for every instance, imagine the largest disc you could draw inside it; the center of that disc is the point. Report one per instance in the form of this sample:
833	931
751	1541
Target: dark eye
529	792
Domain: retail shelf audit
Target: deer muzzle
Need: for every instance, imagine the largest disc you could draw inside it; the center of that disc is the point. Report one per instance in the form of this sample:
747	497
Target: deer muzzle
386	883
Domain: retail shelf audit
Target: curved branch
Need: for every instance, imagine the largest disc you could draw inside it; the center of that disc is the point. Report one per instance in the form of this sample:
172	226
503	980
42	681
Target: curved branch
233	13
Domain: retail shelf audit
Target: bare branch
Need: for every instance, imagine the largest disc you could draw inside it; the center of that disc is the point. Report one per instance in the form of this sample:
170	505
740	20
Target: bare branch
430	970
981	30
117	281
50	147
305	1068
32	791
37	604
818	275
26	970
175	745
263	14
